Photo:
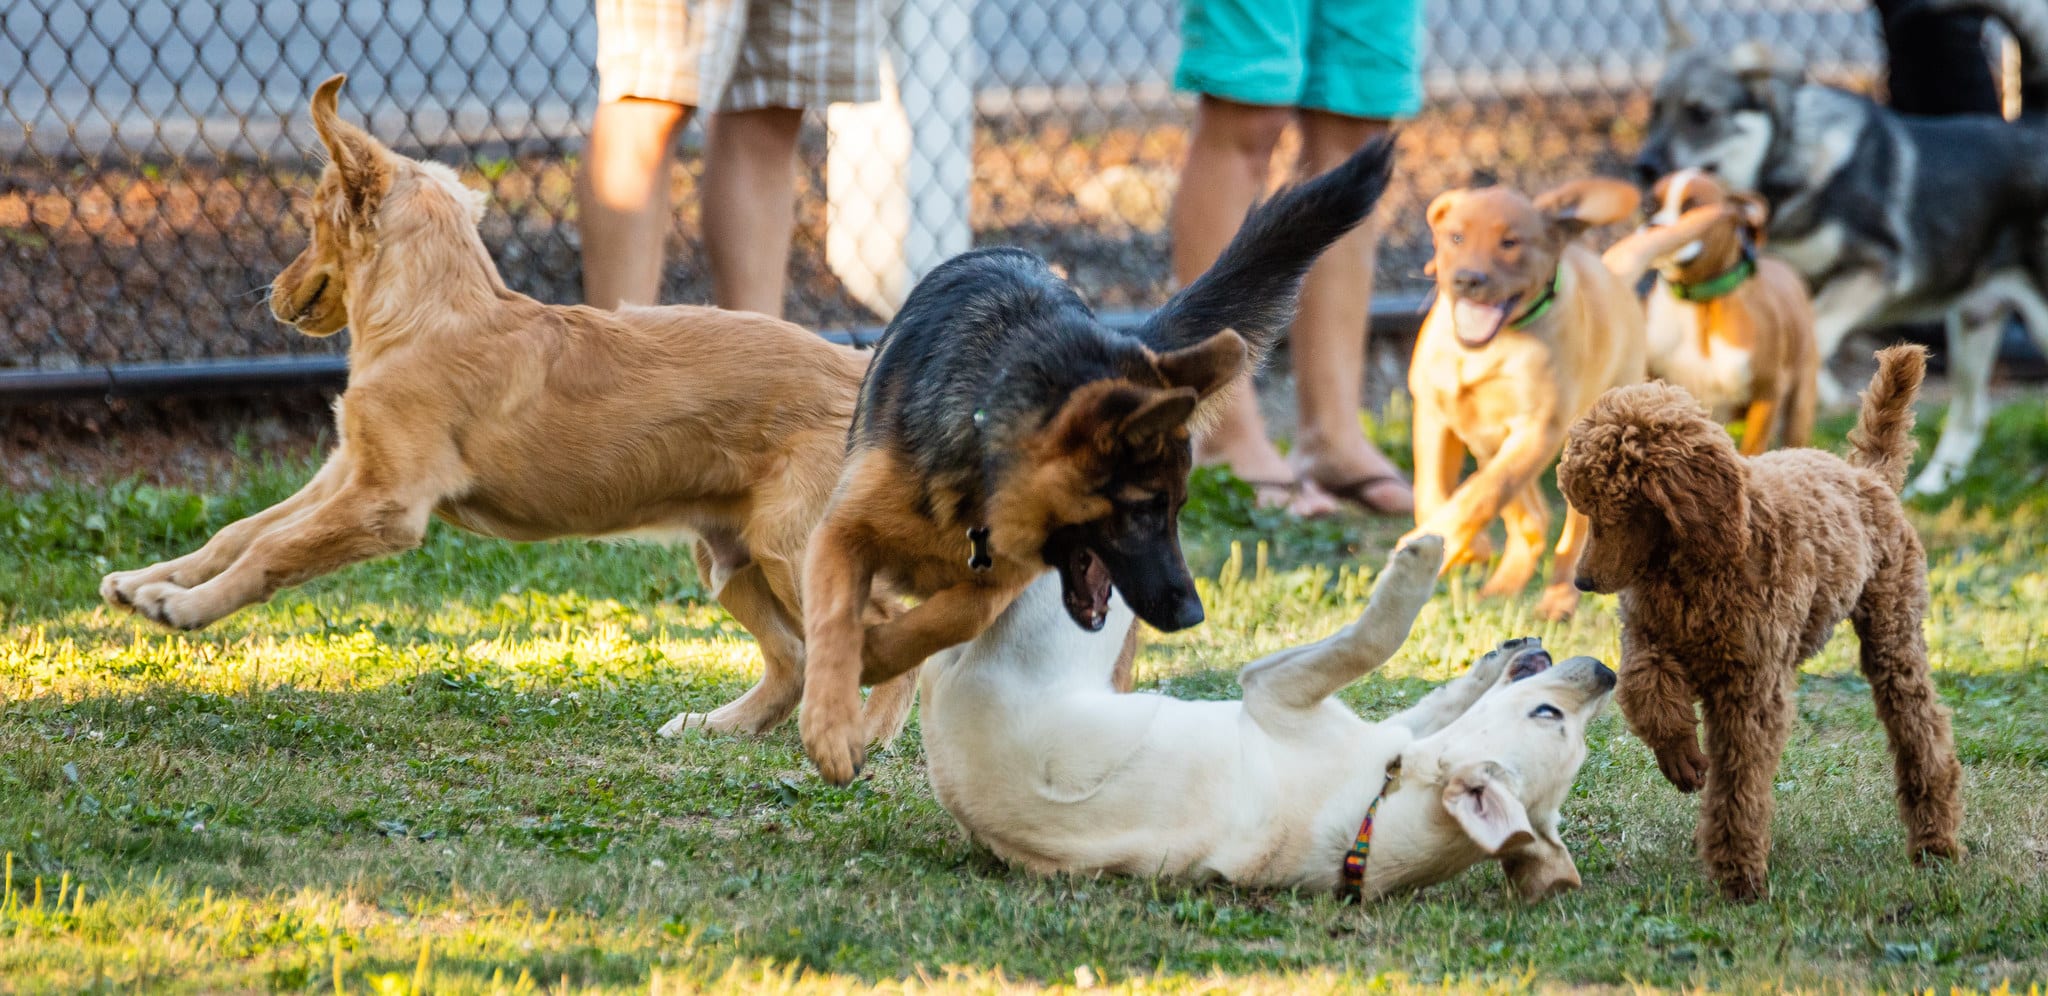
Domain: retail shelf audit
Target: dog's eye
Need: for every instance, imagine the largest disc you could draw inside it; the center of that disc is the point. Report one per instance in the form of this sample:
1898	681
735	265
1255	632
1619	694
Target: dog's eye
1546	711
1510	243
1457	239
1698	114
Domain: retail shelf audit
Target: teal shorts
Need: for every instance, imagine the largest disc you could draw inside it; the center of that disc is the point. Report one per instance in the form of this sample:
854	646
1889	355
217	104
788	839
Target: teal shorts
1359	58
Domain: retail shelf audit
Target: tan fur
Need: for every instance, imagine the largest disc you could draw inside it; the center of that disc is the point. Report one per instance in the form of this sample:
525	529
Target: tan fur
524	421
1732	571
1748	354
1509	401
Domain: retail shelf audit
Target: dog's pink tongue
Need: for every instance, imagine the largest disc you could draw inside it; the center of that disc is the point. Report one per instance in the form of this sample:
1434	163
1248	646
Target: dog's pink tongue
1476	324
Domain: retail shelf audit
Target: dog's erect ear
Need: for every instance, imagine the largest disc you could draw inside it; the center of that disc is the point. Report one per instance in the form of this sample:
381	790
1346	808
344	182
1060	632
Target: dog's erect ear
358	158
1442	206
1207	366
1762	73
1159	413
1477	797
1754	214
1703	491
1542	867
1572	208
1676	35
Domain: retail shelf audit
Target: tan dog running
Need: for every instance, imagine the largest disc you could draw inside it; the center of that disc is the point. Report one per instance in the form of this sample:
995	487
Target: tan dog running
525	421
1733	328
1527	329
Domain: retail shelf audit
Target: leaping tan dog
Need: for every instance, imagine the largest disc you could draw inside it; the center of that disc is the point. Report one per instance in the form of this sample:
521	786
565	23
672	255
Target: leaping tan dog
1733	328
1527	329
525	421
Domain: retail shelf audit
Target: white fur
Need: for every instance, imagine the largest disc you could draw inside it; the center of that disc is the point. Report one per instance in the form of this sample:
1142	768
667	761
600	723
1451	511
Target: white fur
1035	755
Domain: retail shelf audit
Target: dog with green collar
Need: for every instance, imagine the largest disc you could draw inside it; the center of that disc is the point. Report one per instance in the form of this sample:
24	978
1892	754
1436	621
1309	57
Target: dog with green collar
1732	327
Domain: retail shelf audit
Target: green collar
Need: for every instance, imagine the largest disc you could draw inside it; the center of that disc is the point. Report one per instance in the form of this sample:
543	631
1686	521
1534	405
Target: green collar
1542	305
1720	284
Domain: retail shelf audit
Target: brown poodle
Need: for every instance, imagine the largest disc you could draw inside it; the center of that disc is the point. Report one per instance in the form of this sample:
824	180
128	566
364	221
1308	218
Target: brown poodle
1734	570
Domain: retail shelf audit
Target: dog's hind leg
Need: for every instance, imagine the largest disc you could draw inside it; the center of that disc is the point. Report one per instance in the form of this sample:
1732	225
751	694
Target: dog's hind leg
1561	596
1301	678
745	592
1894	660
1972	350
203	564
1528	522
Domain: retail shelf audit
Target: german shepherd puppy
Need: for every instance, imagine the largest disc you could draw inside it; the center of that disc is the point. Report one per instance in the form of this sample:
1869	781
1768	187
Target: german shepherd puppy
1002	429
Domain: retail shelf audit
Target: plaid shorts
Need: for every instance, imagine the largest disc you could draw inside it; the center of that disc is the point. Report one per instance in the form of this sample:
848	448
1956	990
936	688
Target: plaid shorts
740	55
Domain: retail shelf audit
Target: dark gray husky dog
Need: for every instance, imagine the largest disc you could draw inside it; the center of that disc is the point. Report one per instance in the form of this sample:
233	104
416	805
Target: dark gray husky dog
1889	217
1003	431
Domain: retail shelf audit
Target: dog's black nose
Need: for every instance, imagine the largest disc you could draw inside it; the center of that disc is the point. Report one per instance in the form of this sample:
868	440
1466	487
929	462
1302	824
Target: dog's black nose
1188	614
1467	281
1584	584
1648	172
1604	675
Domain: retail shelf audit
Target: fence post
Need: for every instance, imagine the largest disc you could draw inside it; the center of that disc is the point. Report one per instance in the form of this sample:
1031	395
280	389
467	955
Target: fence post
898	171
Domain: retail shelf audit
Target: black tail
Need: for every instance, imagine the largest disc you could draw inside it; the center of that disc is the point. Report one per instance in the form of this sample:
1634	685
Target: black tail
1253	285
2028	22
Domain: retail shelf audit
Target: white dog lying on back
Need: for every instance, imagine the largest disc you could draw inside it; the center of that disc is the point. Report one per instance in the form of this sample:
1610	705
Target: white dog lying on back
1035	756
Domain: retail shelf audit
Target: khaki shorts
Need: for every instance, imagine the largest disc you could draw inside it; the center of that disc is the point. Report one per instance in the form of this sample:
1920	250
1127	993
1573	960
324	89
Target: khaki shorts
740	55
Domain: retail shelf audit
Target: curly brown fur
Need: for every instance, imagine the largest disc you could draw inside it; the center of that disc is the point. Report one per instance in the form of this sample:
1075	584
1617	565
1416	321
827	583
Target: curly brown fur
1732	571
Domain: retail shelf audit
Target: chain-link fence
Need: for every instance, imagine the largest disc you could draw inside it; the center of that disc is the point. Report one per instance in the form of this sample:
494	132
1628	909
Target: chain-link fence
153	153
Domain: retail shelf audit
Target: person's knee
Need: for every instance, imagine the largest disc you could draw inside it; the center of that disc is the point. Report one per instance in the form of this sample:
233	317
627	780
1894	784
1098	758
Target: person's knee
1249	130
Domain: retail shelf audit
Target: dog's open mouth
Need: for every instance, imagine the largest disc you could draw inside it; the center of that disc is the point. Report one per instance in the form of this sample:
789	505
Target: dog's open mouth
1084	585
1476	324
1528	664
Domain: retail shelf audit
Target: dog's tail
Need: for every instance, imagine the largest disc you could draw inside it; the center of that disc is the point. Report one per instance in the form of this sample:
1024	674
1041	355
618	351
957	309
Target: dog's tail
1252	287
1637	251
1883	438
2028	22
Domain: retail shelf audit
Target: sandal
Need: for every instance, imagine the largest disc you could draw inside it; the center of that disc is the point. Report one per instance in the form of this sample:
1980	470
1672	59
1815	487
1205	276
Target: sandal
1355	492
1288	490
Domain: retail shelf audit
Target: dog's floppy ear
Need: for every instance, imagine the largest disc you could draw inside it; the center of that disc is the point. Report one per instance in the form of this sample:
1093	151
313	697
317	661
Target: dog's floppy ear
1207	366
1572	208
1442	206
1754	214
1543	867
1477	797
358	158
1703	491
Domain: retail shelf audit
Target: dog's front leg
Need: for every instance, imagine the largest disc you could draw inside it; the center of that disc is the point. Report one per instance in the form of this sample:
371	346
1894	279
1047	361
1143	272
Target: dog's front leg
1841	306
1657	700
1301	678
356	523
1760	422
950	617
838	580
1528	448
1439	459
207	562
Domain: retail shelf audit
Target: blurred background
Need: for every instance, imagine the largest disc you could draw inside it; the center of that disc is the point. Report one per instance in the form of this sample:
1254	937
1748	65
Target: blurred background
154	153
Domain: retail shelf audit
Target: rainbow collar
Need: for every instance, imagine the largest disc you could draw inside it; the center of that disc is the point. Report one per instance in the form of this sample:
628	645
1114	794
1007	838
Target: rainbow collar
1352	887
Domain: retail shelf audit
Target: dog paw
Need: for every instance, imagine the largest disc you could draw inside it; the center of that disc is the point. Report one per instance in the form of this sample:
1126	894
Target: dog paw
170	605
118	589
834	739
1927	852
1559	603
1743	886
1683	766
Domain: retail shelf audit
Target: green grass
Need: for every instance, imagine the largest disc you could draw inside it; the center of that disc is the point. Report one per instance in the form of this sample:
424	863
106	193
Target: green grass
439	772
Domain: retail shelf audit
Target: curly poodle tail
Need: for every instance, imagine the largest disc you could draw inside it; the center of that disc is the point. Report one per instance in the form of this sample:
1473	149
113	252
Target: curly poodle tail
1883	438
